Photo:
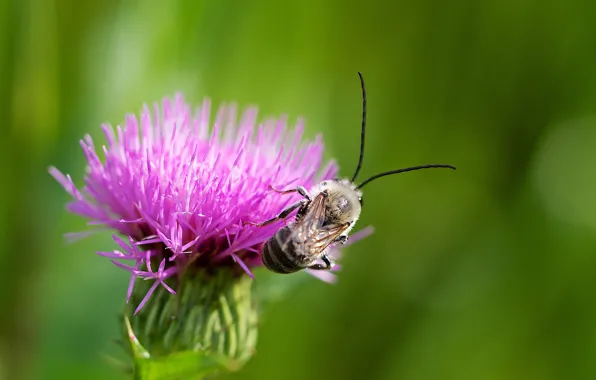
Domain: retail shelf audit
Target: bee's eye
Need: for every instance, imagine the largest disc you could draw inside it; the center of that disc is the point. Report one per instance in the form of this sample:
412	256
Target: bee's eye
324	183
361	201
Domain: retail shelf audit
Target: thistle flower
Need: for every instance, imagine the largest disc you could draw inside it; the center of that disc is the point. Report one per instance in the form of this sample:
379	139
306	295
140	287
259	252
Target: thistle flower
179	189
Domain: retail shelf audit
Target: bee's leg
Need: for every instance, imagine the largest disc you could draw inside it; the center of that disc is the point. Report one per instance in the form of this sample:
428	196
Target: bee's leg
282	215
299	189
342	239
327	265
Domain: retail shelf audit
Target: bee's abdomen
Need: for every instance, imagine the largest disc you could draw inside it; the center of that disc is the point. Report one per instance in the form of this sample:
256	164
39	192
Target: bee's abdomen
279	253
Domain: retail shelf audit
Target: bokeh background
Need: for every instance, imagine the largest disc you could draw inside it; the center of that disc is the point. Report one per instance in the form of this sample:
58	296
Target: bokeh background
482	273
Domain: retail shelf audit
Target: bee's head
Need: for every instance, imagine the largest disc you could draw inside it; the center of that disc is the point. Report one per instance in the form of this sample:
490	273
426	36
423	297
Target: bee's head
344	201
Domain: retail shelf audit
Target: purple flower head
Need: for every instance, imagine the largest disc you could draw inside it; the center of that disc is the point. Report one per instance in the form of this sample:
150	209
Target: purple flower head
179	188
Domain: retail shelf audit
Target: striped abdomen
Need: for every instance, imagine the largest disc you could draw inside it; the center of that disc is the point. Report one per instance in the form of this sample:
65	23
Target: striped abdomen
279	253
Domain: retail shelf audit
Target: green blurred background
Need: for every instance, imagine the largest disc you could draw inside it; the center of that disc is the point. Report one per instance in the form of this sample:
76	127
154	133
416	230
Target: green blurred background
482	273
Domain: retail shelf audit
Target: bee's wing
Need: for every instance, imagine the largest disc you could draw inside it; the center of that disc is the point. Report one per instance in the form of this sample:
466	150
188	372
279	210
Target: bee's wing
314	217
310	233
326	236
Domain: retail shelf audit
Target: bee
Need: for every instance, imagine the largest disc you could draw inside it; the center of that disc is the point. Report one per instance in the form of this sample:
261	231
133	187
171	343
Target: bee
325	216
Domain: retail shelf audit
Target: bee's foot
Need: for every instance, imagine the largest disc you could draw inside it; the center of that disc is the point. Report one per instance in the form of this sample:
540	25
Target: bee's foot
343	239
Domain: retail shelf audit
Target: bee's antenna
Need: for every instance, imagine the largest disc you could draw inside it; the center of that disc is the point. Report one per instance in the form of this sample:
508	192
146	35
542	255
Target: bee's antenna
363	128
403	171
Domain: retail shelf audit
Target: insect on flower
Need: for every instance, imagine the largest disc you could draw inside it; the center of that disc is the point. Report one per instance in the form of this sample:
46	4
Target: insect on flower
175	183
325	217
